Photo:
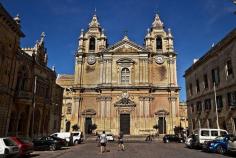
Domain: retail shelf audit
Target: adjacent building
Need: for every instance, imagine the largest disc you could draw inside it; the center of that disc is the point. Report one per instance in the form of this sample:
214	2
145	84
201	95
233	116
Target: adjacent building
211	87
183	115
122	87
30	99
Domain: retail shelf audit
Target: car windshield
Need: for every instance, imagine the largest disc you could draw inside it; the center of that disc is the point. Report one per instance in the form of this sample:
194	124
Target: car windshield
220	138
9	142
109	134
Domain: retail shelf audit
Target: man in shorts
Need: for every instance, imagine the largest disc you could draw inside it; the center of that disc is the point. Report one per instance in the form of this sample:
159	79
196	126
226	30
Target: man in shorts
103	141
121	141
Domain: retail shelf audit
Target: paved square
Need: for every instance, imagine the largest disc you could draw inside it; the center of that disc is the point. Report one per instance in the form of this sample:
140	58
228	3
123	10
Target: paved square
133	150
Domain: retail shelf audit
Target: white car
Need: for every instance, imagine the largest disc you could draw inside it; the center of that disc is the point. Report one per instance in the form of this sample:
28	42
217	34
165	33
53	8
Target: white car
77	137
110	137
8	147
208	134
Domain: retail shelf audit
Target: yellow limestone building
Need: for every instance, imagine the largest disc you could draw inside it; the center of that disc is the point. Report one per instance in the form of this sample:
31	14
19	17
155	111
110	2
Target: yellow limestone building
123	87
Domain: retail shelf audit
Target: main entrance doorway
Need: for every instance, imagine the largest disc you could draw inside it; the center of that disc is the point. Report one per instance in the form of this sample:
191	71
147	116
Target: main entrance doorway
162	125
88	125
125	123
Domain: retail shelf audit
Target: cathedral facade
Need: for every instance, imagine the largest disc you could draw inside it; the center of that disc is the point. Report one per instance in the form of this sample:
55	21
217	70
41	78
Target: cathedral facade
123	87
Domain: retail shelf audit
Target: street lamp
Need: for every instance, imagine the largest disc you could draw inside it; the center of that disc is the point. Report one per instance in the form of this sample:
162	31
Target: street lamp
34	95
216	105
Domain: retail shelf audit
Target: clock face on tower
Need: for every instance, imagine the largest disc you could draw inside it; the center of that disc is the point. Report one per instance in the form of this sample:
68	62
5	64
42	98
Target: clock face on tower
91	60
159	59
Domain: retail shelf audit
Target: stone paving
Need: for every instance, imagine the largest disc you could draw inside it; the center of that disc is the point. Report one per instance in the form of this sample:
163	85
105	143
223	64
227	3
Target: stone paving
133	150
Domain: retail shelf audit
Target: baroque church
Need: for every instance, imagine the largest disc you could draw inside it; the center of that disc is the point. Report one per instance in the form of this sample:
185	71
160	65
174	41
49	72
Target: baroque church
122	87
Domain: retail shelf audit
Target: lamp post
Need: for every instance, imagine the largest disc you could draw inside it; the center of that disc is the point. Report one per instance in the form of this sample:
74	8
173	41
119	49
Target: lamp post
34	95
216	104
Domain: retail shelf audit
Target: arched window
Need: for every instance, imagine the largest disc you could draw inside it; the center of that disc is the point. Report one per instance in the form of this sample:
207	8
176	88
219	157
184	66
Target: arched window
158	43
92	43
125	75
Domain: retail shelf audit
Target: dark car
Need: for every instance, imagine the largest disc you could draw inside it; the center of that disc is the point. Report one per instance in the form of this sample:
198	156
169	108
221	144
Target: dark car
218	145
47	143
25	146
172	138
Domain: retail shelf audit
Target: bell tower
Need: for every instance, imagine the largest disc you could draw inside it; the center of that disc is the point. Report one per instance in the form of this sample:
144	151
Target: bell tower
94	39
157	39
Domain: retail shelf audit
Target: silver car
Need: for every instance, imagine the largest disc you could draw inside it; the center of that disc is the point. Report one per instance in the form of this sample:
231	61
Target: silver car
232	144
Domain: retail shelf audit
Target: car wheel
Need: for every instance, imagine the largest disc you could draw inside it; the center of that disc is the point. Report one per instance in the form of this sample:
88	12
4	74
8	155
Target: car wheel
76	142
52	147
220	150
167	141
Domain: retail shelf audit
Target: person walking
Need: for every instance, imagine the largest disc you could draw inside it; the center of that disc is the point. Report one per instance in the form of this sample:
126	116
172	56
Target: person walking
103	141
121	141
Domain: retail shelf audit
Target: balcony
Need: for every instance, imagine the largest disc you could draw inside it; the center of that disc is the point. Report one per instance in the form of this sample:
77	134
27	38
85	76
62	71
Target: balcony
24	97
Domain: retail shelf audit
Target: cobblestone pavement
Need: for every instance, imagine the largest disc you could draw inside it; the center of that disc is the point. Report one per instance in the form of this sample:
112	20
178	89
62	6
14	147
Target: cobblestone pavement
133	150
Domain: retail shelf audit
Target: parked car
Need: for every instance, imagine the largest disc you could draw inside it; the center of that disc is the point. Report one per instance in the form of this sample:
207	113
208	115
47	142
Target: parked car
172	138
191	141
63	142
218	145
207	134
65	135
25	146
8	147
110	137
232	144
47	143
77	137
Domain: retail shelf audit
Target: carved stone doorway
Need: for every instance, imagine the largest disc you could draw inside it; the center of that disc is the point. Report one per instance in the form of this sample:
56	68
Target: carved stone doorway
88	125
125	123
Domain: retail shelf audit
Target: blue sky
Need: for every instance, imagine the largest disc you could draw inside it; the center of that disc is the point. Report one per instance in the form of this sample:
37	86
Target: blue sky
195	24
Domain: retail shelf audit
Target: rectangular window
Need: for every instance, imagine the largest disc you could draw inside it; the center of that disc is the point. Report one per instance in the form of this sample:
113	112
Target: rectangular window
191	89
205	81
229	68
219	101
192	108
194	125
214	133
207	104
231	98
204	133
215	76
199	106
197	86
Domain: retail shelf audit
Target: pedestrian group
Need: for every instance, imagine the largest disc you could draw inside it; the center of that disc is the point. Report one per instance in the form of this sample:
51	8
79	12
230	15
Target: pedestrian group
103	142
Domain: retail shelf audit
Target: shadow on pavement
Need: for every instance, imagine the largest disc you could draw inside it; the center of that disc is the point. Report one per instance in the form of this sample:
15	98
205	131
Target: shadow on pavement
33	155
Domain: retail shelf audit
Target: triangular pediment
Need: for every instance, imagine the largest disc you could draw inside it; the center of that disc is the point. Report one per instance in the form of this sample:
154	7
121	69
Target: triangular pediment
125	46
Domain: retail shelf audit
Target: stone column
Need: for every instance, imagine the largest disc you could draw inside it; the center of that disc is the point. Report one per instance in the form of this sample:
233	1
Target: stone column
145	71
172	101
107	71
101	71
104	71
78	67
109	62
